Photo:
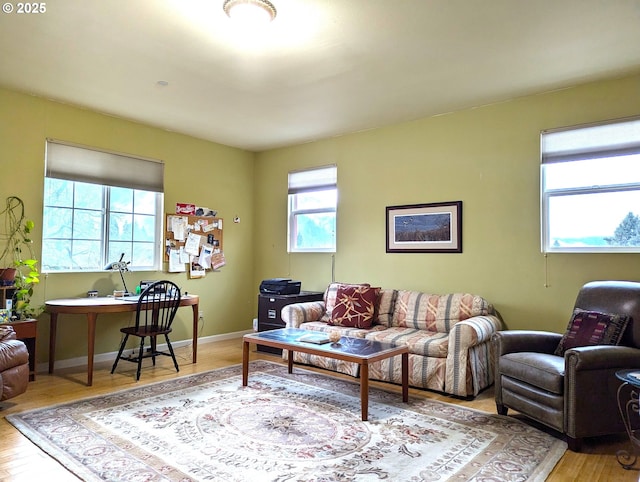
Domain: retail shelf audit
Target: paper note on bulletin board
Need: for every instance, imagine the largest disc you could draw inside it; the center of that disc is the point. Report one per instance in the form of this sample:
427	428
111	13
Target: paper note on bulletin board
193	244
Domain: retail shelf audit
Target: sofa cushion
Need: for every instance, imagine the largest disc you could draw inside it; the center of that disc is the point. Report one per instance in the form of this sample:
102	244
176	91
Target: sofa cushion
419	342
437	313
539	369
355	306
385	307
587	328
330	296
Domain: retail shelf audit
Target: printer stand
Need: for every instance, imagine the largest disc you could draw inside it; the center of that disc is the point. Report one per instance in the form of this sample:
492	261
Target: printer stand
269	308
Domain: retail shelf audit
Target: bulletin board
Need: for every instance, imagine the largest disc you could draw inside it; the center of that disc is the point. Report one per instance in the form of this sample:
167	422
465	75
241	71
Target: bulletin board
193	244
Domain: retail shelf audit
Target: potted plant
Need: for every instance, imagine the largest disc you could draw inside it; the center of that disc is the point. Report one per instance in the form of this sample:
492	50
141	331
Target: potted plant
17	257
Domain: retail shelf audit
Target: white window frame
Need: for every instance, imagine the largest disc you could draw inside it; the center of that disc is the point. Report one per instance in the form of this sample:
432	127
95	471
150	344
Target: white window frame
597	141
317	179
75	163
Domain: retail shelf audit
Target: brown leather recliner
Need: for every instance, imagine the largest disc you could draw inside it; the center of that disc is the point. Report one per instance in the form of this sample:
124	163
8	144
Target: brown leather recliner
14	364
574	394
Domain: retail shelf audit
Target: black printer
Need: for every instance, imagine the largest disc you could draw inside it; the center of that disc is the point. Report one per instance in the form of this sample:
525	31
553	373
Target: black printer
280	286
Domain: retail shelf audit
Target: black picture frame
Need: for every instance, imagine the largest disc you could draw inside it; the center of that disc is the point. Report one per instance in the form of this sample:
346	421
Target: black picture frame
424	228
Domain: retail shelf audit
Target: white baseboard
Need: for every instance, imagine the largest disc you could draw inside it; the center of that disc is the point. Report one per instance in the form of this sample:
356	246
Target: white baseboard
111	356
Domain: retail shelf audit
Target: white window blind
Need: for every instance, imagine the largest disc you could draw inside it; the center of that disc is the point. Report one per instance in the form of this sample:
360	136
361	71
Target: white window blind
313	179
83	164
591	142
100	206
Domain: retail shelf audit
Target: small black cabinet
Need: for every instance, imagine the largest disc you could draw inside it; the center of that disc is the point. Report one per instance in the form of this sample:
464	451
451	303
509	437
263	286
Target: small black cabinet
269	307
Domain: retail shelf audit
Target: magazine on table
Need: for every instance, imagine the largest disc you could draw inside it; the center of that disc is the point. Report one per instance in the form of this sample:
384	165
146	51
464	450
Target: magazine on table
317	338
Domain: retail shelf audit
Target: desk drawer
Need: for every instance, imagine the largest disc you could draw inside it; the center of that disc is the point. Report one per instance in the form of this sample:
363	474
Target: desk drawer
24	329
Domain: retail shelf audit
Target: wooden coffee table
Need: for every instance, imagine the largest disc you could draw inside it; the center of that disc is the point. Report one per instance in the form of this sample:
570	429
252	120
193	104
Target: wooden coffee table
356	350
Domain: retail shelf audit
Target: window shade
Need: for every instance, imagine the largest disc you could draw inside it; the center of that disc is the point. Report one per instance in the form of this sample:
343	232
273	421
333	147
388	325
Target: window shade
616	138
313	179
75	163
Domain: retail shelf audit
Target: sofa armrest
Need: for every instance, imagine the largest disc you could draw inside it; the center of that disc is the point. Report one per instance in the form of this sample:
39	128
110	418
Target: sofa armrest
466	365
474	331
297	313
513	341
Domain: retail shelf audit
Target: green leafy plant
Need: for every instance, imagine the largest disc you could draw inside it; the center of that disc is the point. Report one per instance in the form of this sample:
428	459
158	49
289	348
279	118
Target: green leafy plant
17	253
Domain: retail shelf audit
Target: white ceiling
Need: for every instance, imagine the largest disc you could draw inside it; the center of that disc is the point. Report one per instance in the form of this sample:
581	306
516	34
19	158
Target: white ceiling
320	69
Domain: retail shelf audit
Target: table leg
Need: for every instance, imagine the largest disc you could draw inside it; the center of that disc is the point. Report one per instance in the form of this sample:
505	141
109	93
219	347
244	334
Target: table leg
405	377
245	363
195	309
91	341
290	361
53	326
628	410
31	348
364	391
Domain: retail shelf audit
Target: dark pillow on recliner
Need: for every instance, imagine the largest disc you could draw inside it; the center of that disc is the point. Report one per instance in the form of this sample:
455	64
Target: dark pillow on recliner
588	328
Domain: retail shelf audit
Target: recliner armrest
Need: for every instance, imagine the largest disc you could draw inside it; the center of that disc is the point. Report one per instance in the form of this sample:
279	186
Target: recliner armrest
525	340
7	333
601	357
12	354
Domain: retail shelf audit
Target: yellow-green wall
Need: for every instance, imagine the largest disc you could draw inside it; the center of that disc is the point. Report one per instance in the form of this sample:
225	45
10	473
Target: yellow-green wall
487	157
196	171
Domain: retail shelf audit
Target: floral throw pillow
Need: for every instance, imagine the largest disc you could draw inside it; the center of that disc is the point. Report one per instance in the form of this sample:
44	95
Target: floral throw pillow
330	296
588	328
355	306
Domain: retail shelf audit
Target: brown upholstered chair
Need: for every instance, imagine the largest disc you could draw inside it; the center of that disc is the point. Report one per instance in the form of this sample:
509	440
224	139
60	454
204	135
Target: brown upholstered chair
14	364
574	394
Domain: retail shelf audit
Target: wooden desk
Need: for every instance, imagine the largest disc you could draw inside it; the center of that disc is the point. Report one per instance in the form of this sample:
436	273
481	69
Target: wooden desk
94	306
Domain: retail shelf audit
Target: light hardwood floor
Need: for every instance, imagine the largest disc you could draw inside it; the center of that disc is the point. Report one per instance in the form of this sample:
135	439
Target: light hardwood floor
20	460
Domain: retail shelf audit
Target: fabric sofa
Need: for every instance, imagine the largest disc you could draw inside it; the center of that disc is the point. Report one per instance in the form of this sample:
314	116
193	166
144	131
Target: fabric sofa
14	364
448	335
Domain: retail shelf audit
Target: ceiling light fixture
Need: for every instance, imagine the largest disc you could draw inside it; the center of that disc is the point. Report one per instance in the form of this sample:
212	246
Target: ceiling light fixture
250	11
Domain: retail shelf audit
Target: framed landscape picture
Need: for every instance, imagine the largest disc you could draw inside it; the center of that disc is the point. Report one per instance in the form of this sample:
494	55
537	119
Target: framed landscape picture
425	228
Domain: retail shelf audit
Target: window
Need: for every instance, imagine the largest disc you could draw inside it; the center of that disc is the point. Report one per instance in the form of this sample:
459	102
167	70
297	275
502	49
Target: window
313	196
99	206
591	188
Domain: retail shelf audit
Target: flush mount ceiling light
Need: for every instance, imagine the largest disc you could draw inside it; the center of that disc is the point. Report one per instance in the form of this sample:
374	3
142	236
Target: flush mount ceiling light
250	11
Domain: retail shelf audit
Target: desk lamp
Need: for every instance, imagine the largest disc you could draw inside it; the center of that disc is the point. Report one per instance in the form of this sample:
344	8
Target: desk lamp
122	267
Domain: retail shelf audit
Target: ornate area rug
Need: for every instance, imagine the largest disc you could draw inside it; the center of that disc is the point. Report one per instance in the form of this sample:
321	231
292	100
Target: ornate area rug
299	427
